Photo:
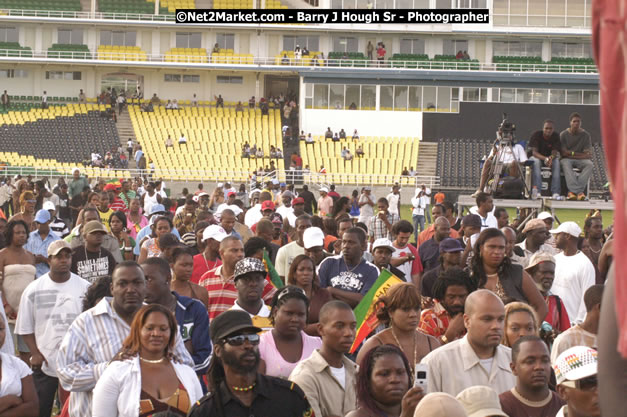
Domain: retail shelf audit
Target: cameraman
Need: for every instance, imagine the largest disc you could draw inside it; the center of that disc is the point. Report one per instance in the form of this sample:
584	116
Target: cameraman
509	156
545	147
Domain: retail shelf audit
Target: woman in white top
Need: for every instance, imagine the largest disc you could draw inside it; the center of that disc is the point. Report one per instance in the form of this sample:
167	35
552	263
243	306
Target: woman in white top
17	390
143	379
287	344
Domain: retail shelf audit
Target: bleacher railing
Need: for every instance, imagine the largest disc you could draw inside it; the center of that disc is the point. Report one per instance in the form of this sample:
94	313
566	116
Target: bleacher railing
88	15
190	175
140	56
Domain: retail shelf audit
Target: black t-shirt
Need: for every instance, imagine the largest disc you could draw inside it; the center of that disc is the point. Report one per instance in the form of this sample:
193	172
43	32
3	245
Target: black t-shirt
272	397
545	147
92	265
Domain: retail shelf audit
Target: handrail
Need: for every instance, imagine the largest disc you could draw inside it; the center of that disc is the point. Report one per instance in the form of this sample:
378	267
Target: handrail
180	175
307	62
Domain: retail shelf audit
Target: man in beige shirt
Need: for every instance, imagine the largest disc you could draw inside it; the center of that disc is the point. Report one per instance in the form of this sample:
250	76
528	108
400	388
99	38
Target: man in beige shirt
478	358
584	334
328	377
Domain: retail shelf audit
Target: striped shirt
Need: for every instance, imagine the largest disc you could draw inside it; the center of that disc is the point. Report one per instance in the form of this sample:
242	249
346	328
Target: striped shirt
222	294
90	343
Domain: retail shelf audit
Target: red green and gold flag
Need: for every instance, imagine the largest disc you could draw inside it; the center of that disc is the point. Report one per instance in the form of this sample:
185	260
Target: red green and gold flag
275	279
365	310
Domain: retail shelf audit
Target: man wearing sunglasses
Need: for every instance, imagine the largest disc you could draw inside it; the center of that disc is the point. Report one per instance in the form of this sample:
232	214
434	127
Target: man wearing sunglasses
236	387
536	234
576	374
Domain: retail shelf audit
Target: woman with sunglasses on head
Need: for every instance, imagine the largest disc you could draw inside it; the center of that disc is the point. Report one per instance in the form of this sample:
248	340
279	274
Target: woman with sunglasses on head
117	225
27	210
302	274
287	344
149	381
491	269
150	247
399	311
384	385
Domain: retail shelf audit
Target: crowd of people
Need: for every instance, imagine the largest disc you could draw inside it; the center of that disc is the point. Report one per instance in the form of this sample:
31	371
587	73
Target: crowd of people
119	300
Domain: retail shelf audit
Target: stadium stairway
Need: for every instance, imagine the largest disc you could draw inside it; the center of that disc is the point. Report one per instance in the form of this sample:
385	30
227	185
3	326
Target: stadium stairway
125	130
427	159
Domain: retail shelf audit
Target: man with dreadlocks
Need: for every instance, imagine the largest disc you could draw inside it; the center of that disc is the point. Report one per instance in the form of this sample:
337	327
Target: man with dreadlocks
236	388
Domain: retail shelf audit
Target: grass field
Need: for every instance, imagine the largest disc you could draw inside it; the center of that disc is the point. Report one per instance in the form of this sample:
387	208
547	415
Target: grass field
564	215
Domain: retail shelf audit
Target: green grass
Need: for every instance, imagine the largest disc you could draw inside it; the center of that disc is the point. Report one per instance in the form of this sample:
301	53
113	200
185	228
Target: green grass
564	215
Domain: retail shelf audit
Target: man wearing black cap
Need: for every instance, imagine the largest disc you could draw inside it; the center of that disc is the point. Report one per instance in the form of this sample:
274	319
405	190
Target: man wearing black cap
250	280
236	386
450	255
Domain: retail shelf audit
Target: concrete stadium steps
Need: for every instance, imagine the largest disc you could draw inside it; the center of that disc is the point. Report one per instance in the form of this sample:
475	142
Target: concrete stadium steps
427	158
125	130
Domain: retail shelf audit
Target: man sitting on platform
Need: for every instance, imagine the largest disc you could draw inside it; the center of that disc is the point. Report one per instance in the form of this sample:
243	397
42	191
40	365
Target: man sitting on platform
545	147
576	153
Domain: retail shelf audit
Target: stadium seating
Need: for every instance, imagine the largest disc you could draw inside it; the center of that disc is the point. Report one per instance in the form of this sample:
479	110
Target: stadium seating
355	59
386	156
129	6
232	4
66	135
14	49
306	60
172	5
196	55
65	51
228	56
215	138
50	5
121	53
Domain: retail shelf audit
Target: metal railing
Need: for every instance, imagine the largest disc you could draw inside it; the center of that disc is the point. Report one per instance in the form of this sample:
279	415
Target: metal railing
206	60
55	14
187	175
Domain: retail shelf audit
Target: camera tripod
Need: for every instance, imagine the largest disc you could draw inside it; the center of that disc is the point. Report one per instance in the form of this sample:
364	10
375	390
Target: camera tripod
503	147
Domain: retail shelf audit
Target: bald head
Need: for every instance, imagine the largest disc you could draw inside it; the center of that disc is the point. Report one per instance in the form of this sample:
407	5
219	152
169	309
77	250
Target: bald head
477	300
328	310
442	228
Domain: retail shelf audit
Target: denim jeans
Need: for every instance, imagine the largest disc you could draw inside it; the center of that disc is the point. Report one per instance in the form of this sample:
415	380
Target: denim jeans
577	184
536	178
419	221
46	387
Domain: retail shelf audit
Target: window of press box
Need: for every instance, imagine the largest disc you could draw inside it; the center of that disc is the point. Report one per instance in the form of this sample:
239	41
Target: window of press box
9	34
64	75
311	42
226	40
70	36
188	40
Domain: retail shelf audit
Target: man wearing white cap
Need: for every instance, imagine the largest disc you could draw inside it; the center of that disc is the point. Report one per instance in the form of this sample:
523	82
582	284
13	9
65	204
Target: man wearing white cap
548	220
208	259
313	240
57	225
48	307
576	375
574	273
39	240
382	250
325	203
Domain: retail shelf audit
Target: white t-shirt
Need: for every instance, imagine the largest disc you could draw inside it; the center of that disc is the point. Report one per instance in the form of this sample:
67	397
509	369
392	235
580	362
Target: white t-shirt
339	374
573	276
419	206
285	211
13	370
285	256
508	155
486	222
487	364
47	309
393	201
149	202
366	211
253	215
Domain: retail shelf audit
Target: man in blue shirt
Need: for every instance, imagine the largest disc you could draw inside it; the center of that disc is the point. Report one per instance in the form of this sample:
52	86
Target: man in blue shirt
191	315
348	276
39	240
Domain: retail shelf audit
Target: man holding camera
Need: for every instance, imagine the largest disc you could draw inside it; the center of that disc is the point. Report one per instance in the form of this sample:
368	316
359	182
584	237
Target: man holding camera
545	148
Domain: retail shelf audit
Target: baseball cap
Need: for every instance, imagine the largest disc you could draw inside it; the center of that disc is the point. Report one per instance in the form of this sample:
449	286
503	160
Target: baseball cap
111	187
471	220
538	258
214	232
283	184
267	205
230	193
202	194
438	404
276	218
49	205
534	224
57	246
230	322
366	188
450	245
575	363
157	208
324	190
275	181
75	170
383	243
313	237
93	226
568	227
545	215
220	185
235	209
480	401
42	216
248	265
287	193
298	200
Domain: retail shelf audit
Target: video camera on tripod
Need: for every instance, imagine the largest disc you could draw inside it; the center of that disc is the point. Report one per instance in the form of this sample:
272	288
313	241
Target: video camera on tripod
505	133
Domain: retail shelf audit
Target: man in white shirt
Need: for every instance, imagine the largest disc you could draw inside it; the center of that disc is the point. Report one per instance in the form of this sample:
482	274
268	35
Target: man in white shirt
394	200
253	215
485	209
478	358
287	253
574	273
418	213
48	307
508	158
366	206
182	139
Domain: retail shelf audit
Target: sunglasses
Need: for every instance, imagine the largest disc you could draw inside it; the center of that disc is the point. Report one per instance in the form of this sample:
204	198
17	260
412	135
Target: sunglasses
31	201
239	340
585	384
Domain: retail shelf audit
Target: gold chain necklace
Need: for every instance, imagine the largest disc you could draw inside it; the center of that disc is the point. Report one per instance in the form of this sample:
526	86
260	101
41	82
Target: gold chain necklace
413	364
152	360
244	389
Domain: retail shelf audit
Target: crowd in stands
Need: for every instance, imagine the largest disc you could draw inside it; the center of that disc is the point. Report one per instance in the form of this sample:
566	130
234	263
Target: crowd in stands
120	299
